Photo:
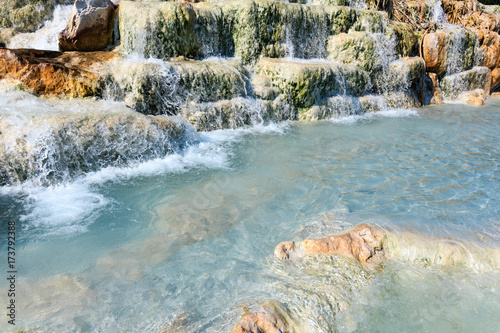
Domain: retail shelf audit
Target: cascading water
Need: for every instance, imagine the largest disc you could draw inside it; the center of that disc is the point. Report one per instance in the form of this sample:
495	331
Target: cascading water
44	38
437	14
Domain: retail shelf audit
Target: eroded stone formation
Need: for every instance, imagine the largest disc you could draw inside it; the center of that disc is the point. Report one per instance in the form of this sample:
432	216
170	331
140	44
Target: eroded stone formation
371	247
295	61
363	243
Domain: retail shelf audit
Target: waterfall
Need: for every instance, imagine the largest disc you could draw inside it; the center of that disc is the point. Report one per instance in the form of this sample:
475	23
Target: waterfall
437	13
358	4
57	141
44	38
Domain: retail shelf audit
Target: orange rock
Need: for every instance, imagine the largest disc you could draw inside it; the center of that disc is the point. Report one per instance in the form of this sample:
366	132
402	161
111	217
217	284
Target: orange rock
51	73
437	98
433	50
495	78
489	42
470	15
475	97
363	243
271	319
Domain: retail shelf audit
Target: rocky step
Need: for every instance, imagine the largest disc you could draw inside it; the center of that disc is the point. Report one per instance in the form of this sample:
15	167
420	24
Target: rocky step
246	29
51	73
75	141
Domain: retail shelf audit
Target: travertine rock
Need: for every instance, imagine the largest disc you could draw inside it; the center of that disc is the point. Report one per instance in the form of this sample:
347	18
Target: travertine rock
363	243
51	73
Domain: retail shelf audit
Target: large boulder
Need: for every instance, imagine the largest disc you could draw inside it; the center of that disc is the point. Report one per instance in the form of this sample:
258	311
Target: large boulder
450	50
27	15
489	42
271	317
89	27
51	73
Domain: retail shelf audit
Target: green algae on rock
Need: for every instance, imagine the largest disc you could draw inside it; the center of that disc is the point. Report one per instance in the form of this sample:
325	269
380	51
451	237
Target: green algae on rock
475	78
246	29
304	84
164	87
27	15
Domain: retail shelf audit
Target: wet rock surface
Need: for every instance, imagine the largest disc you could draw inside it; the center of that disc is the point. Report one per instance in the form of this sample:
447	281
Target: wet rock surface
272	318
89	27
364	243
51	73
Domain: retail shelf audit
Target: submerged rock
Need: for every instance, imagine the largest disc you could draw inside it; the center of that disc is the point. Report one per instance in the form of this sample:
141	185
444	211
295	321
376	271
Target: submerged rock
272	317
51	73
363	243
368	245
372	245
89	27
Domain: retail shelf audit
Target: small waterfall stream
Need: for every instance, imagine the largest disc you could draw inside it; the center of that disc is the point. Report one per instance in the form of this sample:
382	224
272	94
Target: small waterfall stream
46	37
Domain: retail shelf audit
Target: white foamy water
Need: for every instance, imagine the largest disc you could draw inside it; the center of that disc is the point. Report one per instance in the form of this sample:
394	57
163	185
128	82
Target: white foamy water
44	38
67	205
437	12
387	113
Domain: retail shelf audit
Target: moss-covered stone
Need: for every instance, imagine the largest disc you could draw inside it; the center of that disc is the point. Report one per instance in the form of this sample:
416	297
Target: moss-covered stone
213	80
371	21
332	107
475	78
304	84
158	29
263	88
355	48
246	29
165	87
226	114
27	15
405	37
401	75
330	2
